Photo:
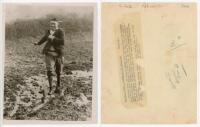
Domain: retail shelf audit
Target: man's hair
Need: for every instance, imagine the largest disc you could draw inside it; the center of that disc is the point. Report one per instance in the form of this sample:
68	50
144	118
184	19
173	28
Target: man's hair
54	19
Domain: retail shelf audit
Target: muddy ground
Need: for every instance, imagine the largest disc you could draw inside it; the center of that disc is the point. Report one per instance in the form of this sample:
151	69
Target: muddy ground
26	85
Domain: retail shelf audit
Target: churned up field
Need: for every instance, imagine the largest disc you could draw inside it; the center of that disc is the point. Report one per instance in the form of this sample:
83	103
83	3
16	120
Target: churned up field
25	81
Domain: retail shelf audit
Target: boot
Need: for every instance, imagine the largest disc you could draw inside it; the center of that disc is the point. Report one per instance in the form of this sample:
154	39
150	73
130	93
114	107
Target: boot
50	79
58	84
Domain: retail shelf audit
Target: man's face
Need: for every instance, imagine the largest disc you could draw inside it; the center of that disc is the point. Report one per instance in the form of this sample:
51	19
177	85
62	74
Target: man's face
53	25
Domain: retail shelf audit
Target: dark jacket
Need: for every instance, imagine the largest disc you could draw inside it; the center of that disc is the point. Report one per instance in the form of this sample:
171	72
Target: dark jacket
57	42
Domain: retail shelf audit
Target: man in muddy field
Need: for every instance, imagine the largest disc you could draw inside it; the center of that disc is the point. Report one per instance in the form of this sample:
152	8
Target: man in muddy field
53	51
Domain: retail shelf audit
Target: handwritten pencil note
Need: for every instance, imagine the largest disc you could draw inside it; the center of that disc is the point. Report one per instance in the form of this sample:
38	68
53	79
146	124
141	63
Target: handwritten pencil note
149	63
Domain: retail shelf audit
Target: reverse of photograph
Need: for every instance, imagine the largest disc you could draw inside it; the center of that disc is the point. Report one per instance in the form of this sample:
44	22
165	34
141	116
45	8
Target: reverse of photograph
49	62
149	63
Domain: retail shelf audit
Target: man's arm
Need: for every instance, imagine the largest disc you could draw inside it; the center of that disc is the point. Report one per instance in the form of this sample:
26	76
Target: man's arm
43	39
60	38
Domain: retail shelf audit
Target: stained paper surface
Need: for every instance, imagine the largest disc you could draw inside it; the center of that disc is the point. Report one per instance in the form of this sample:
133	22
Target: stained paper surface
149	63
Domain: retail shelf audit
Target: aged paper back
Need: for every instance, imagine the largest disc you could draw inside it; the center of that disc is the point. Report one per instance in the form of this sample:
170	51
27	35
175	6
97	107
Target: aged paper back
149	63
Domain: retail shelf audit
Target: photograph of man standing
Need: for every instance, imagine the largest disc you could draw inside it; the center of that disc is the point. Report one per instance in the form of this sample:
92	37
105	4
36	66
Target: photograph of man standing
53	51
49	62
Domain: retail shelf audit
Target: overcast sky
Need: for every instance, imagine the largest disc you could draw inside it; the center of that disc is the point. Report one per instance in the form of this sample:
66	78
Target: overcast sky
30	11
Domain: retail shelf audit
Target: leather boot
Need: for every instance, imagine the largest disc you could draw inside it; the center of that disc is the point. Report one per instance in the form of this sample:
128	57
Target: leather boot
50	79
58	84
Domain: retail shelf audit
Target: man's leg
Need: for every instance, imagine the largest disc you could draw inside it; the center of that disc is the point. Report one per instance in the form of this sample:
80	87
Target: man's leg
50	62
50	79
58	69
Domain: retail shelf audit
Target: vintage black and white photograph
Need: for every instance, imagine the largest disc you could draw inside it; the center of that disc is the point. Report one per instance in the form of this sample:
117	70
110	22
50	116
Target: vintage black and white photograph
49	62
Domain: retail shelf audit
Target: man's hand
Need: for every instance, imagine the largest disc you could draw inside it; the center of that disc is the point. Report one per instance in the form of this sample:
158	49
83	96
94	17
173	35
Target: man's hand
35	43
51	37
